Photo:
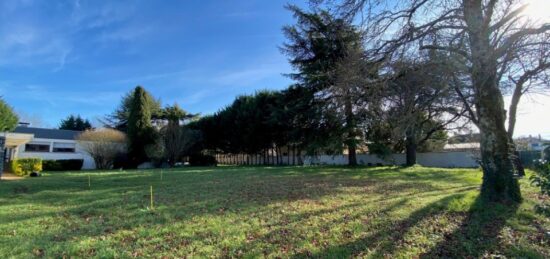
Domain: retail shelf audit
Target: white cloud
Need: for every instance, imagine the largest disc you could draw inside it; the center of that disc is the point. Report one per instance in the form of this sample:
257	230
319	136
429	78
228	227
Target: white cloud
27	37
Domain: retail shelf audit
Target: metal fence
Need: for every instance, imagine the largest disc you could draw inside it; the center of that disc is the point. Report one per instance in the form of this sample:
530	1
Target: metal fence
528	158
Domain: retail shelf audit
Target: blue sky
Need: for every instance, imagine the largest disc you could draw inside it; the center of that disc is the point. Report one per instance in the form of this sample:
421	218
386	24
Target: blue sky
80	56
63	57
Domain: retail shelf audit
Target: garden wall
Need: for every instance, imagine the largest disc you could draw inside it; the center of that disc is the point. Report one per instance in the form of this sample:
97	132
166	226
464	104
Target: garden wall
434	159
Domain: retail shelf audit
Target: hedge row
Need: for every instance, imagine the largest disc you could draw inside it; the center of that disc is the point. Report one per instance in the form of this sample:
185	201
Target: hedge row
25	166
63	165
202	160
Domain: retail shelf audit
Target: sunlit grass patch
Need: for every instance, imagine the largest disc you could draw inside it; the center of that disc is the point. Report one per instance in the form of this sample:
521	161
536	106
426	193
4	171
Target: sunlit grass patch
275	212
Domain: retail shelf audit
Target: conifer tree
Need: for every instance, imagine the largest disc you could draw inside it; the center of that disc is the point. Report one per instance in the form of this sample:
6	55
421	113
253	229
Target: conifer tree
77	123
140	130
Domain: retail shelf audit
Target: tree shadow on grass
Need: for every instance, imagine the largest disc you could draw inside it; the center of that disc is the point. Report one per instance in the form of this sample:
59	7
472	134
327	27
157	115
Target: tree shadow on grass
385	240
189	195
478	234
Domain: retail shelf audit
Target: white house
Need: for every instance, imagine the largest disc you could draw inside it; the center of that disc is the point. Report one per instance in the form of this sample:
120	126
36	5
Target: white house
47	144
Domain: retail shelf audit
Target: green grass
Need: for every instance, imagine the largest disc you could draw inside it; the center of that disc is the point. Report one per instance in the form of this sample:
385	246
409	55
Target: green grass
329	212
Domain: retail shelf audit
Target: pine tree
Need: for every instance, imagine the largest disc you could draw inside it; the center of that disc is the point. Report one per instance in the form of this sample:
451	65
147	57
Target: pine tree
119	118
76	123
140	130
323	50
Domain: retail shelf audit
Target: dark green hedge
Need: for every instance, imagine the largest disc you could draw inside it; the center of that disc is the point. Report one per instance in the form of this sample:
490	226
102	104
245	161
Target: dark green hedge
62	165
202	160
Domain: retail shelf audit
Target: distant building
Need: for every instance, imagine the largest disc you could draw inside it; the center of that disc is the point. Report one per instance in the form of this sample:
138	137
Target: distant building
531	143
47	144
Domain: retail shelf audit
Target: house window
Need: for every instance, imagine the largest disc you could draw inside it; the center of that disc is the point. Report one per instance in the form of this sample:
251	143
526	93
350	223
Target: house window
64	147
37	147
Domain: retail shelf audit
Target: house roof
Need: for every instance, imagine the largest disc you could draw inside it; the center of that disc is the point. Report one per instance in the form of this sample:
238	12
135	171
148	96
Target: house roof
48	133
15	139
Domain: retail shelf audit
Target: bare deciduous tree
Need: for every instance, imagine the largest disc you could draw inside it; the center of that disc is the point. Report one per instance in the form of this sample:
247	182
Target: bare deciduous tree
486	34
421	102
103	145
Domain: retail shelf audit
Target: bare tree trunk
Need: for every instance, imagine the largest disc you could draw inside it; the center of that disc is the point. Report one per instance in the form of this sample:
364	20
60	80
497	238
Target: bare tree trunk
288	155
276	150
516	159
294	155
351	141
499	183
299	154
279	157
273	156
410	147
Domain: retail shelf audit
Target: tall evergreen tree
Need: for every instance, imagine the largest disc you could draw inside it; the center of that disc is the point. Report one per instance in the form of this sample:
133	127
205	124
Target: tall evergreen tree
8	118
323	49
139	128
119	118
77	123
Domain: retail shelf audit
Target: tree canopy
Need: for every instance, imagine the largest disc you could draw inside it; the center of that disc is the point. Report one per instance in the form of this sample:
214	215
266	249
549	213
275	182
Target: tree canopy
8	118
119	118
327	54
140	130
490	41
77	123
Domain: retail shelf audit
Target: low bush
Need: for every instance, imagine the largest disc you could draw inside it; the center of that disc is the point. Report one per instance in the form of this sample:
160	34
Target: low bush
202	160
25	166
541	179
121	161
63	165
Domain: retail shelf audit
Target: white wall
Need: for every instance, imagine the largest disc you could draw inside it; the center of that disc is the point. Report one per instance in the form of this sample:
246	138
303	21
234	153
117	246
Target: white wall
78	154
434	159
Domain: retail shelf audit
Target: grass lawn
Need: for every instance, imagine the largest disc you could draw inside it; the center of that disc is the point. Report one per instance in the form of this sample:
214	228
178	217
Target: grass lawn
330	212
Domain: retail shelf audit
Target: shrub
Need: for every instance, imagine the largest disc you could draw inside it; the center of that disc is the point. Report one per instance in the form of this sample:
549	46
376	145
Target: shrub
103	145
541	179
202	160
25	166
121	161
62	165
